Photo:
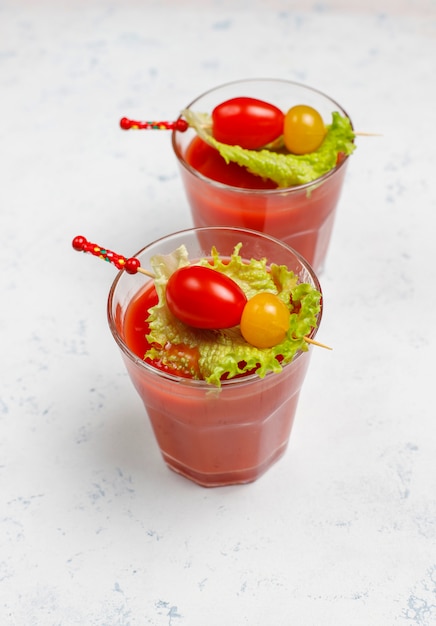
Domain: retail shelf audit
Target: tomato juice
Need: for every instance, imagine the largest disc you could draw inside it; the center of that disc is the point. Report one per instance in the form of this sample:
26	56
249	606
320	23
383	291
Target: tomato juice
211	435
223	194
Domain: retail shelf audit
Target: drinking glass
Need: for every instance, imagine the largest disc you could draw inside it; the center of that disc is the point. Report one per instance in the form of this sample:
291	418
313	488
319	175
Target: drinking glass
302	216
214	435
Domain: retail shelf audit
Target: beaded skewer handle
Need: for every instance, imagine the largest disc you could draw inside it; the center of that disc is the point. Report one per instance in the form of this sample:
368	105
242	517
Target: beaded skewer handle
131	265
179	124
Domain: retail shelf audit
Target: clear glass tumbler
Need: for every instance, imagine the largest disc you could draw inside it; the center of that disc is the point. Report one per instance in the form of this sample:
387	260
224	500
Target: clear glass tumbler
213	436
302	216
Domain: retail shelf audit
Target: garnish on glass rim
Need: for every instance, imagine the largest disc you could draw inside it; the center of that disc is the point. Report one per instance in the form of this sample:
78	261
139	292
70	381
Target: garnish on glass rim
289	149
286	169
132	265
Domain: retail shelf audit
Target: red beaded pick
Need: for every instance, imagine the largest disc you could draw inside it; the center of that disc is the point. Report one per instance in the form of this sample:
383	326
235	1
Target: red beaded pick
179	124
132	265
83	245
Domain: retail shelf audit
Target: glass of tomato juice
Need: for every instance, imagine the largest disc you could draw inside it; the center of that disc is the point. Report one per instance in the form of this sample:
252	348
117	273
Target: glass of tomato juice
221	194
211	435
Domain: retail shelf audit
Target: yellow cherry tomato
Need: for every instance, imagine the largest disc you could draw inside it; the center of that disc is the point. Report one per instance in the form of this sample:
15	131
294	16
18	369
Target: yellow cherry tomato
304	129
265	320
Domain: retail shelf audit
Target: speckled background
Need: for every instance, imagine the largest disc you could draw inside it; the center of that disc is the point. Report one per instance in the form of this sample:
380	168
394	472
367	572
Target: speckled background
94	529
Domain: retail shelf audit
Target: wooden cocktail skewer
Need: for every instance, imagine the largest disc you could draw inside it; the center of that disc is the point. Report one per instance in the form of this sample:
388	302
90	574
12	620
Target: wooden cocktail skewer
317	343
359	134
182	125
132	265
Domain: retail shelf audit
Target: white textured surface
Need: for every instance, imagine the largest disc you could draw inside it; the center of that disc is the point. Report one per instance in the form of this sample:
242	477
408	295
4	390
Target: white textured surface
94	530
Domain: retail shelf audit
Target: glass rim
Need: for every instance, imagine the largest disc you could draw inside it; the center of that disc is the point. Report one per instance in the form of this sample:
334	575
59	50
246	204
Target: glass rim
182	380
262	192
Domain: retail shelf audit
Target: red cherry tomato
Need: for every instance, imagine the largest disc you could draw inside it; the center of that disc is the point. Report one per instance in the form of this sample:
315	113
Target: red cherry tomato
265	320
247	122
204	298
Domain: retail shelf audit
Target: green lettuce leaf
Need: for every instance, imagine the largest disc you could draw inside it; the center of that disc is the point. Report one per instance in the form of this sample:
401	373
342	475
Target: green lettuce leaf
225	353
283	168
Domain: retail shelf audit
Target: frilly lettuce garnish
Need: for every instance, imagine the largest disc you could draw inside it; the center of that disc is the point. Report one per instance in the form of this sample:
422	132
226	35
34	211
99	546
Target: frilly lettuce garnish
285	169
212	354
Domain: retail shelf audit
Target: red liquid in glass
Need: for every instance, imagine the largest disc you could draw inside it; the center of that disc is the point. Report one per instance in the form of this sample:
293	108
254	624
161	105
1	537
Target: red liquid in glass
301	216
210	163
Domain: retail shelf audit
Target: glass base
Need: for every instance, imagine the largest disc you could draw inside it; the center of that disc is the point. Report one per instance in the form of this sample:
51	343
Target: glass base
224	479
